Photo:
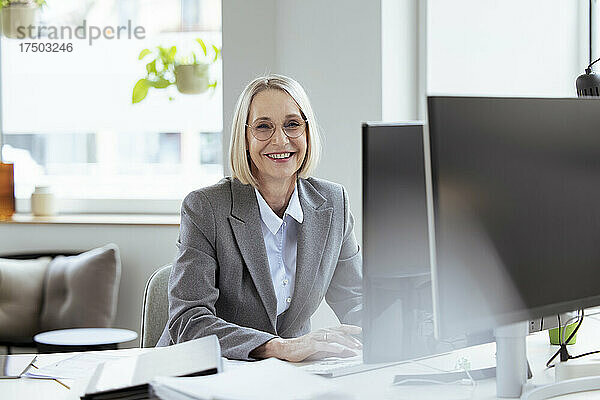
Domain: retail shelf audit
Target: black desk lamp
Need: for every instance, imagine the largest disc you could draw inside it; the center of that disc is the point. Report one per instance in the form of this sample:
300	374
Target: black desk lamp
588	84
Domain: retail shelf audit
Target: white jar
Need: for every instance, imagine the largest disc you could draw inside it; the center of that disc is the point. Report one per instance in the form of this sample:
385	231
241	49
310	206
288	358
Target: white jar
43	202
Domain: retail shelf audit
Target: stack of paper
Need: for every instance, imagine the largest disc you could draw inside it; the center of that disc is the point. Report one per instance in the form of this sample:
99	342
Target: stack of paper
270	379
77	366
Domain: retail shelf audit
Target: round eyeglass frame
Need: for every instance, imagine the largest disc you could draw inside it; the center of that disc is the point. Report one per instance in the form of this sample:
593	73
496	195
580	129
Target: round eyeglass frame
275	128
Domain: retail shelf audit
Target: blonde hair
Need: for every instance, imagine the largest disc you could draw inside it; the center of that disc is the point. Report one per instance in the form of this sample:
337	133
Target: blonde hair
238	159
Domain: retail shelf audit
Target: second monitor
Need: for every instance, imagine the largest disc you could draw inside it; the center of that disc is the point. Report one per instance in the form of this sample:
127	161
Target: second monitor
398	320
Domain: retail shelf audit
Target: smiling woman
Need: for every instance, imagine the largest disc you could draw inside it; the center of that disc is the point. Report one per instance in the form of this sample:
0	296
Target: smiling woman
260	250
276	157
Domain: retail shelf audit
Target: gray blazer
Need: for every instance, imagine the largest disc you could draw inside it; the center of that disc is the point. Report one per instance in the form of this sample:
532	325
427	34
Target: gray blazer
220	282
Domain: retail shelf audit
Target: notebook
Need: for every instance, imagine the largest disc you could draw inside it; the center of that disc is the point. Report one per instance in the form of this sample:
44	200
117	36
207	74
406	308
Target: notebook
128	378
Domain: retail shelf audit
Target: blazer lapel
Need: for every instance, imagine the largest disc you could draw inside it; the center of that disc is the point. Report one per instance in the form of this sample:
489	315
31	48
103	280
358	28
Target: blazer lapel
312	236
246	225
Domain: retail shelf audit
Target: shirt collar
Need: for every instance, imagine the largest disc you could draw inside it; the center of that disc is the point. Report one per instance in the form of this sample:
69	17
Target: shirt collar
272	220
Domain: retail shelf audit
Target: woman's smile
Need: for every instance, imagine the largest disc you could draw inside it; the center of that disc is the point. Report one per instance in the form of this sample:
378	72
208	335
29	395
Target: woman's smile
280	157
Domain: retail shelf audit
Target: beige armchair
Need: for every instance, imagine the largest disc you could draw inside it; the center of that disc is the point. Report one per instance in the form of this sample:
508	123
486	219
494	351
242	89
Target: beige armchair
47	291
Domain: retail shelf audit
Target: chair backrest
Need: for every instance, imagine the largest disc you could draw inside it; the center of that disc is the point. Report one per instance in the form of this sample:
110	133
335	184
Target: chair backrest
155	308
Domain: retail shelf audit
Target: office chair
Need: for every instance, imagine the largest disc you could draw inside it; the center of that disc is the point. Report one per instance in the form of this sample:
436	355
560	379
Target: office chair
155	307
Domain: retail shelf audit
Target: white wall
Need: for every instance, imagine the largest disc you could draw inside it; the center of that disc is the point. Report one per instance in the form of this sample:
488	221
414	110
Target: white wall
143	249
508	47
401	72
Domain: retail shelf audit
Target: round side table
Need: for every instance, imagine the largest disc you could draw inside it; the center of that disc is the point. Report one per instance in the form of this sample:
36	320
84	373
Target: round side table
82	339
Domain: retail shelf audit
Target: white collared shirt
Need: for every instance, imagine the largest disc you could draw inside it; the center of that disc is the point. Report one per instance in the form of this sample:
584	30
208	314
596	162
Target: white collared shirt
281	243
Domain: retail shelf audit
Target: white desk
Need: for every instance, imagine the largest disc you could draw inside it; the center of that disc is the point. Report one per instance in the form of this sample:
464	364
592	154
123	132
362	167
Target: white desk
376	384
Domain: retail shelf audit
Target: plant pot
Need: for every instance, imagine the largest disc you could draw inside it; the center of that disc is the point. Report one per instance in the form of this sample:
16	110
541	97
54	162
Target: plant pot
7	191
554	334
18	15
191	79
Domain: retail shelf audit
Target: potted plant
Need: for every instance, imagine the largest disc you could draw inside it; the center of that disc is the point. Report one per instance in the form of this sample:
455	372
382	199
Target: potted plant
190	74
18	13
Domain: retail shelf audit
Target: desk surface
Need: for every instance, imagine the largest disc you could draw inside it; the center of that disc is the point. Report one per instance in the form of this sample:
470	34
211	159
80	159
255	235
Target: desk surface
376	384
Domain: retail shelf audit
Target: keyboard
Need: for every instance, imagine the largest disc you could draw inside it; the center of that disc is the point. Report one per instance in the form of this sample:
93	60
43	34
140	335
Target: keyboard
333	368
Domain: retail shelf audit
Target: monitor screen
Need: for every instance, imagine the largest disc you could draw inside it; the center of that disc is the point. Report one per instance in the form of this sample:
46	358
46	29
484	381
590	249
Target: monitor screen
398	318
515	184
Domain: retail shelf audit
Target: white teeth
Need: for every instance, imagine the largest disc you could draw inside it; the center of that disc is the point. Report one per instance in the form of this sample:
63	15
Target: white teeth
279	155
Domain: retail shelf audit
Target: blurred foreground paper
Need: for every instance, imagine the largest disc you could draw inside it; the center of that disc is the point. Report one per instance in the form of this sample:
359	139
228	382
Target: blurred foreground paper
270	379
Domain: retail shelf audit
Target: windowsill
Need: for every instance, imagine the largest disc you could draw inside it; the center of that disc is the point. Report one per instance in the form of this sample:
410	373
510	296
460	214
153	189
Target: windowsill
108	206
96	219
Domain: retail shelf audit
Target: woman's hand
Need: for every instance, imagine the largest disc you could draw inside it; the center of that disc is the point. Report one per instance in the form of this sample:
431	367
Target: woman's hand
323	343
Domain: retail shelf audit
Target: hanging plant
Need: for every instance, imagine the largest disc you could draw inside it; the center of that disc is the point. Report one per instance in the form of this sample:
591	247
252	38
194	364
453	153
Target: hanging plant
190	73
19	14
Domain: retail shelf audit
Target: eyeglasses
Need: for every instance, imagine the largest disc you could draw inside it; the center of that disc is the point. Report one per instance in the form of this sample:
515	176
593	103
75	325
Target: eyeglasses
264	130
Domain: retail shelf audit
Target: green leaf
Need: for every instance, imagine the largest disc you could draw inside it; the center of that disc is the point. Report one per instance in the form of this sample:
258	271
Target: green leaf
161	83
151	67
164	56
140	91
171	56
217	52
213	85
201	42
144	53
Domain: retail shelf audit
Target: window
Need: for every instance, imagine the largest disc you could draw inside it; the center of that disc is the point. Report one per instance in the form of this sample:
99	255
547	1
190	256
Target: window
68	118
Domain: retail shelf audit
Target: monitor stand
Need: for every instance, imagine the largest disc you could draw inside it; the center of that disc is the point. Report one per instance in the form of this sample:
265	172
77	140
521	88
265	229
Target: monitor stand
511	369
510	350
511	359
562	388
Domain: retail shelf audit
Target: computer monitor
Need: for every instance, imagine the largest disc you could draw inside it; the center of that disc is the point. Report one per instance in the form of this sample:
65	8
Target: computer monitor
515	209
398	309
